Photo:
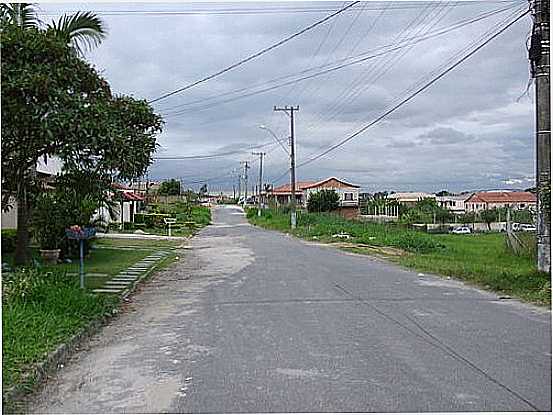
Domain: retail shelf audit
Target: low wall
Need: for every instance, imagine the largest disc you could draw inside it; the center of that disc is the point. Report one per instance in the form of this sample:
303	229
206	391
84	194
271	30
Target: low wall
378	218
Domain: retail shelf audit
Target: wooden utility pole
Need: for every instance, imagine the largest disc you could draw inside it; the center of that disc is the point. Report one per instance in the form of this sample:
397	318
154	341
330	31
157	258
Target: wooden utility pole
260	154
539	62
289	110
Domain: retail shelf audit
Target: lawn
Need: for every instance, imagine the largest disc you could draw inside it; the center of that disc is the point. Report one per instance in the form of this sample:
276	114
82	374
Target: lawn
136	243
481	259
40	312
103	260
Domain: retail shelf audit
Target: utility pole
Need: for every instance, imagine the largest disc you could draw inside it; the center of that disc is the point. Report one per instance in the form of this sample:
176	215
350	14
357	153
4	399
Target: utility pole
289	110
539	63
246	167
260	154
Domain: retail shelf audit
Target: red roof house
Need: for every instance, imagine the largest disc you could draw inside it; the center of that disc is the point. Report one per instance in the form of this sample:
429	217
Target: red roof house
490	200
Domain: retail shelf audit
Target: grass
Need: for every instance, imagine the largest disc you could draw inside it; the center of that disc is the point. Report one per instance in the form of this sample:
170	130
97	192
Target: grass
480	259
109	260
484	260
136	243
40	312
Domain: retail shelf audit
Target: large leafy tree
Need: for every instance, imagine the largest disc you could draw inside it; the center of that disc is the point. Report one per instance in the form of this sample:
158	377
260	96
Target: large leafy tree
54	103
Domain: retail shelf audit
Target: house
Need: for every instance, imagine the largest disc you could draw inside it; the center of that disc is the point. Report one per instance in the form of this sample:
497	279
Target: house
410	198
46	171
490	200
348	193
282	195
453	203
131	203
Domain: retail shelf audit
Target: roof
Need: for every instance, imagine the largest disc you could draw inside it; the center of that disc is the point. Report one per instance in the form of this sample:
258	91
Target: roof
411	196
120	186
454	197
286	188
502	197
320	183
132	197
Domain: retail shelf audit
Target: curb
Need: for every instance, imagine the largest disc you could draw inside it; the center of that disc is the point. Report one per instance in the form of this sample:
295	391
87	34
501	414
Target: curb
53	360
64	351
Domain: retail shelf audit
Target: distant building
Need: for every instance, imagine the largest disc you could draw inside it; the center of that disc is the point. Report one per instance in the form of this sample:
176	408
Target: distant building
490	200
348	193
410	198
453	203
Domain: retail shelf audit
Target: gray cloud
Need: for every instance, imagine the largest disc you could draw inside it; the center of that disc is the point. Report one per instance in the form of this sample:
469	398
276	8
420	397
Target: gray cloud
466	131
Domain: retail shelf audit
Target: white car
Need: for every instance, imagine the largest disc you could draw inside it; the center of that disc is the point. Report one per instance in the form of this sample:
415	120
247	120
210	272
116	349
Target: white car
461	230
524	227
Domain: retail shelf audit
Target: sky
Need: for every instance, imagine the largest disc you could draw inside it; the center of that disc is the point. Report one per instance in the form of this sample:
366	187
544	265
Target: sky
471	129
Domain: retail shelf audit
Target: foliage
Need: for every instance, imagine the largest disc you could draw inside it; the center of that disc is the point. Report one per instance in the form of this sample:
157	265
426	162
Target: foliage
426	211
82	30
323	225
8	240
325	200
484	260
151	220
45	88
443	193
169	188
203	190
488	216
40	311
48	221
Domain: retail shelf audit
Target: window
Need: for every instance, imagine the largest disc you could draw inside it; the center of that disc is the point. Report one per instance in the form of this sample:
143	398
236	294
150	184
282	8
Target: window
348	196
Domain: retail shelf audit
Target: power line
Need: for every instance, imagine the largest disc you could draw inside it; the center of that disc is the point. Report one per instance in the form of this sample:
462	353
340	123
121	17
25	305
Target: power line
414	94
363	57
255	55
375	6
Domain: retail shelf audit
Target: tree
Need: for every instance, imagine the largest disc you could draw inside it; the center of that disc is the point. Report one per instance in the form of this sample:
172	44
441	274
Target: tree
169	188
488	216
82	30
443	193
203	190
54	103
323	201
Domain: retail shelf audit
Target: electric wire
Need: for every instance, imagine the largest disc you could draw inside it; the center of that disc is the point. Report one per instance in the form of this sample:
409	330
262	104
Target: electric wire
255	55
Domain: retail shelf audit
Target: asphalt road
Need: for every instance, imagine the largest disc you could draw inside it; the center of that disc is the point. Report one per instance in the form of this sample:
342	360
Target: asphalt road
256	321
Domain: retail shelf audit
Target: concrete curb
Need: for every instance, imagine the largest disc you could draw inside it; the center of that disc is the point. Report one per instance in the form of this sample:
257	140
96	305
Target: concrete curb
64	351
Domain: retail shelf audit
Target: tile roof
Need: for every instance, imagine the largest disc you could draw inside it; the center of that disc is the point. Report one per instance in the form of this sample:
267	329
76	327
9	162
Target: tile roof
132	197
285	188
502	197
321	182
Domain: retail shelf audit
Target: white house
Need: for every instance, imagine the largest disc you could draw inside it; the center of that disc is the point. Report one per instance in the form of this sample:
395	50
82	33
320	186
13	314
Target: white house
410	198
453	203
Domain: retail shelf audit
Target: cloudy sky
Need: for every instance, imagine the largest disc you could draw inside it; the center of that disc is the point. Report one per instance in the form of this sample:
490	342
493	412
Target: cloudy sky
472	129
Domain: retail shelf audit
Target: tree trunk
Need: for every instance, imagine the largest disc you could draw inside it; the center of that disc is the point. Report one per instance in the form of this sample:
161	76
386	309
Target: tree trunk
22	254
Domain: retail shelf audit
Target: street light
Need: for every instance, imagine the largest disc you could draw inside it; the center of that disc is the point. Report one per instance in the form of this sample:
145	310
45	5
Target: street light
264	127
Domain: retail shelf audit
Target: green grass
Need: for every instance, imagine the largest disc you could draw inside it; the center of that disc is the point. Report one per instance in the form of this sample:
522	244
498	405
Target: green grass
108	260
136	243
484	260
481	259
40	312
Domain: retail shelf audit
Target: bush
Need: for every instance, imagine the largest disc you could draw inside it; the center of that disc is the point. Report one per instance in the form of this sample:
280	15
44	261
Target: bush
323	201
152	220
9	237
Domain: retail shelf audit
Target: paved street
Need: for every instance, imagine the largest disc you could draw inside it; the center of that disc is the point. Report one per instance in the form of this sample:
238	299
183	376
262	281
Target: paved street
251	320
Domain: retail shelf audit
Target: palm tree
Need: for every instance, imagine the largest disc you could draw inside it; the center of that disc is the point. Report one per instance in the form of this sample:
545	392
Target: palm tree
82	30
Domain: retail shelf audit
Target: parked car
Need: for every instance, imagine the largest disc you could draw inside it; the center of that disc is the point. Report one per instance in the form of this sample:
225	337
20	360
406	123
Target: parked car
461	230
525	227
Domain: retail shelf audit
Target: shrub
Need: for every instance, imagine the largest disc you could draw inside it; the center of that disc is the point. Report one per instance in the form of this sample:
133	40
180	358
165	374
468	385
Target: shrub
323	201
152	220
9	237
